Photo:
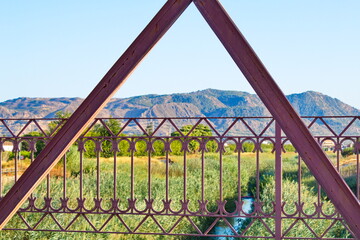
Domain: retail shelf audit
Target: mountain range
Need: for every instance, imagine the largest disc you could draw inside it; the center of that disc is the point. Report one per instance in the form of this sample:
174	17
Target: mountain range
209	103
204	103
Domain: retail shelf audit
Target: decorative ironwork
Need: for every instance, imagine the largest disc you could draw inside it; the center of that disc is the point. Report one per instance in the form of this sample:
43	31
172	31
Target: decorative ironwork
165	176
253	70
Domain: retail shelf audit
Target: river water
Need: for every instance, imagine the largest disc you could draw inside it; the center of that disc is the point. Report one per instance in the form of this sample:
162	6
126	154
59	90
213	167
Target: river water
222	229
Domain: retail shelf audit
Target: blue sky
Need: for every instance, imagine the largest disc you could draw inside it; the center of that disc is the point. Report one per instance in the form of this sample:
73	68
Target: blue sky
64	48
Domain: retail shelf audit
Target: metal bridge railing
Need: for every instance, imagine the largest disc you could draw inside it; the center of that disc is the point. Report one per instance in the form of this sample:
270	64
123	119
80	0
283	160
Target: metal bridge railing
219	177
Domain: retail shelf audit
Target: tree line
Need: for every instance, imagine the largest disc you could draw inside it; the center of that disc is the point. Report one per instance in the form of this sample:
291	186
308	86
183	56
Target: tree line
141	145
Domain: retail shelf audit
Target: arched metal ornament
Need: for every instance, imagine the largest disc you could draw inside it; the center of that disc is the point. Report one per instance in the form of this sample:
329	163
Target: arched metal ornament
252	68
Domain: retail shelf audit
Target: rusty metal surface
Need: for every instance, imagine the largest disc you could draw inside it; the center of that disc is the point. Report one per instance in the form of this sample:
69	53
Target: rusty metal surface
88	110
151	206
280	108
297	132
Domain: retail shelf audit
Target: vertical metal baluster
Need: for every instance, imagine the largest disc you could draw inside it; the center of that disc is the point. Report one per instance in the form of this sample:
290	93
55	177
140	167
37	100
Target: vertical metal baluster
357	170
115	174
81	174
64	177
299	181
185	175
149	170
19	161
48	186
257	173
16	153
319	187
338	150
221	171
132	174
167	177
31	160
338	156
203	175
278	183
1	173
98	174
239	176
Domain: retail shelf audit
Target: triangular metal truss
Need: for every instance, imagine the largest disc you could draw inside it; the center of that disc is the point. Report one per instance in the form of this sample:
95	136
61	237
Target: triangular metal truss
252	68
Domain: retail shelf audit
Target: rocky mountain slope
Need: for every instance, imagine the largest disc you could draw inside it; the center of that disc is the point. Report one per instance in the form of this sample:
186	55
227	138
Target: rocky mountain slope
209	103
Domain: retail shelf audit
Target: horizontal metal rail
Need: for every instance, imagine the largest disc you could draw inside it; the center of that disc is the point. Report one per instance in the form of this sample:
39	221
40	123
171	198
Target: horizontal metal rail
183	176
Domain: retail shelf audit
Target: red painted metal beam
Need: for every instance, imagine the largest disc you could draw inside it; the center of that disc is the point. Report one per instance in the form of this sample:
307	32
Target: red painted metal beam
91	106
276	102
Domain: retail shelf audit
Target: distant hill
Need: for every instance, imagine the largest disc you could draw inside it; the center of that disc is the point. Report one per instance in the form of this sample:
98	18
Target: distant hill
205	103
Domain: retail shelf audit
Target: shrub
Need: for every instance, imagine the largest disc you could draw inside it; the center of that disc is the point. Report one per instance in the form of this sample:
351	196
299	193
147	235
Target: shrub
248	146
199	131
289	148
73	163
347	152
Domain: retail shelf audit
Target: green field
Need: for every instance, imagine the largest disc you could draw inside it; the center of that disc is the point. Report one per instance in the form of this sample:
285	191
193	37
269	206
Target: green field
176	192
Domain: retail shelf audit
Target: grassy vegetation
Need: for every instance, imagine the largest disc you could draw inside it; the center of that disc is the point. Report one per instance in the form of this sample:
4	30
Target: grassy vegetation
176	192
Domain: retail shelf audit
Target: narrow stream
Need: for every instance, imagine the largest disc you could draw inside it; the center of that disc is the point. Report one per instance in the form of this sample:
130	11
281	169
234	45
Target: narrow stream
222	229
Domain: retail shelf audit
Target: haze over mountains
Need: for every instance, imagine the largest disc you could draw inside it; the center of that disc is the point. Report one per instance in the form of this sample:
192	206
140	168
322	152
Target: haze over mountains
209	103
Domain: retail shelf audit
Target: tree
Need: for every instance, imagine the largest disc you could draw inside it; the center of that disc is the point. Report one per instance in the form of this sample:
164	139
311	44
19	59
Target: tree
347	151
39	145
248	146
54	126
100	130
199	131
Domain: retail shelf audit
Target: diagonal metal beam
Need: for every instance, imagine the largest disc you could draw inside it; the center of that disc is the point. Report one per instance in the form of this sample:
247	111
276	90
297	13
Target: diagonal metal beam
276	102
252	69
88	110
